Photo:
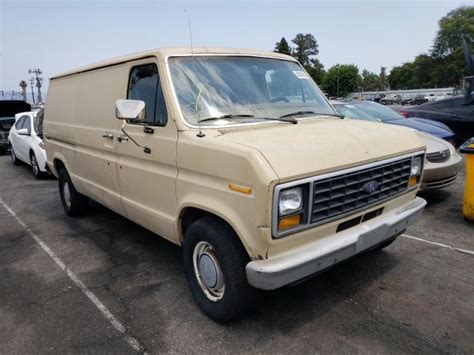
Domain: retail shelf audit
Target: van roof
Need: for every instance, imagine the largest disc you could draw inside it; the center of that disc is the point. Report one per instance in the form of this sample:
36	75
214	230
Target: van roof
166	52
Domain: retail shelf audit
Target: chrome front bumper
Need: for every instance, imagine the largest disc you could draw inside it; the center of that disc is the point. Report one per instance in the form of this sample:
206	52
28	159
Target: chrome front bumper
283	270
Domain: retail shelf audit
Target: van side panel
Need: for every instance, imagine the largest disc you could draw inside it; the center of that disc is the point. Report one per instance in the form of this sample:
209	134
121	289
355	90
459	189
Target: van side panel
79	112
58	126
95	126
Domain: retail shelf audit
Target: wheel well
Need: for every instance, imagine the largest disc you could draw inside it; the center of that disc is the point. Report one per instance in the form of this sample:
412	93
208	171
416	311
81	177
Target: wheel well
192	214
58	165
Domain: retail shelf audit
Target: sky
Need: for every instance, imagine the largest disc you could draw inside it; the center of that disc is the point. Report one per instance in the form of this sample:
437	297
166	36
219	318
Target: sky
60	35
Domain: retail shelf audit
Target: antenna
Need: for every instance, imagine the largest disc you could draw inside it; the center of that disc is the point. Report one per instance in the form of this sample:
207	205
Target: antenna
200	134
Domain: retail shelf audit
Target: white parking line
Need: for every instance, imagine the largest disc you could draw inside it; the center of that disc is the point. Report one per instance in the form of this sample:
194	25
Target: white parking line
92	297
439	244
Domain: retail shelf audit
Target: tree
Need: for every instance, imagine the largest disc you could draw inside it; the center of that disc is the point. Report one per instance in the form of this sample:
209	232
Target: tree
369	81
341	79
457	23
316	70
306	48
383	78
401	77
282	47
425	73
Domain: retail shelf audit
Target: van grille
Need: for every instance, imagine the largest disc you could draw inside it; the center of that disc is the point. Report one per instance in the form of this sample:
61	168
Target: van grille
344	193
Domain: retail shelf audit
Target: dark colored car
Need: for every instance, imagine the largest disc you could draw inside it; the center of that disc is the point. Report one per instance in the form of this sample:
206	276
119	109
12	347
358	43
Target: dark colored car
452	112
371	111
8	110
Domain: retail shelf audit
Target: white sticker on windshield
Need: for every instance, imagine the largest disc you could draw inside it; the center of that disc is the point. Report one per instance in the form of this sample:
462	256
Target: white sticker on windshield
300	74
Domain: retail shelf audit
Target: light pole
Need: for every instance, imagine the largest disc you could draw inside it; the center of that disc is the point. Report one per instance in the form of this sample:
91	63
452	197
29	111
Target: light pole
39	80
32	81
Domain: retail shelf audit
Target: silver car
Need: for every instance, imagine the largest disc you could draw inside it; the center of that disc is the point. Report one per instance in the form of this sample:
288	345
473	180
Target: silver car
442	164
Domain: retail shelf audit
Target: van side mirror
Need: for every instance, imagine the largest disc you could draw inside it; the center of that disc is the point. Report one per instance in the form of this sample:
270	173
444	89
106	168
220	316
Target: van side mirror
130	110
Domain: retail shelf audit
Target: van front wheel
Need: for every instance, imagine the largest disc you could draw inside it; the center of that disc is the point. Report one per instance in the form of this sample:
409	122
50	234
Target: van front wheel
214	262
74	203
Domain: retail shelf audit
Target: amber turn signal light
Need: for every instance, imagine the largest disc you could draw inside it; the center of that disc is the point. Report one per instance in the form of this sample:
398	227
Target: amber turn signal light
288	222
412	181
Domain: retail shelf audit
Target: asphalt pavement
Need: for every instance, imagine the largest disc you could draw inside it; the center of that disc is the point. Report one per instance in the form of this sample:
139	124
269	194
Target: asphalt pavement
103	284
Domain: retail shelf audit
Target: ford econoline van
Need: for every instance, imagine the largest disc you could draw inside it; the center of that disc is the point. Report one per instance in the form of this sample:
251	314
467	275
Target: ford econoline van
238	157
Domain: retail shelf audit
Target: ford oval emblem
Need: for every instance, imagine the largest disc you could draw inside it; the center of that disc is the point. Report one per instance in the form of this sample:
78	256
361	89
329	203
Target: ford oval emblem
371	186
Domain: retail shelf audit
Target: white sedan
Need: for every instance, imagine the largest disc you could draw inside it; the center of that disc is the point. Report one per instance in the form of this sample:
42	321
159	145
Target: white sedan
26	142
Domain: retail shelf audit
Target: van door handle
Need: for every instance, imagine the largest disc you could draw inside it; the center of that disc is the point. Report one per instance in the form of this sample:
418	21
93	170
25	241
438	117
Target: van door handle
108	136
122	138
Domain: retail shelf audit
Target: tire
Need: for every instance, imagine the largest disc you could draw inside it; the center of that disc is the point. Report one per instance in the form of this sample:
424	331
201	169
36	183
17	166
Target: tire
15	160
74	203
222	247
384	244
35	167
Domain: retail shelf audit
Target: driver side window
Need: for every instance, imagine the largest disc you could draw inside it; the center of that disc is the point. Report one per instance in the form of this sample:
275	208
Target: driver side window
144	84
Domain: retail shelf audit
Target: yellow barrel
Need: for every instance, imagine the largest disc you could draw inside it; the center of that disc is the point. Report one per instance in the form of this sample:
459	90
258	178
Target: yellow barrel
468	205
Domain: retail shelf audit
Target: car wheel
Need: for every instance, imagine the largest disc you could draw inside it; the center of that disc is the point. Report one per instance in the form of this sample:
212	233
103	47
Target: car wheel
214	262
35	167
74	203
15	160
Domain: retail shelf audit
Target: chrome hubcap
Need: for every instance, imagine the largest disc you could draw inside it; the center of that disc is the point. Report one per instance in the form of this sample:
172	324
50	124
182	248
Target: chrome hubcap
208	271
67	194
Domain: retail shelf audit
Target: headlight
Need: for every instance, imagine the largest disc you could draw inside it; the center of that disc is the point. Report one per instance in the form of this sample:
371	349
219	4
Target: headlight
290	208
290	201
416	165
415	171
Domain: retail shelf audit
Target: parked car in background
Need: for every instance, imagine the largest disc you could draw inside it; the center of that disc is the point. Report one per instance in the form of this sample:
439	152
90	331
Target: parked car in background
253	172
391	99
372	111
443	163
406	100
8	110
418	100
26	142
452	112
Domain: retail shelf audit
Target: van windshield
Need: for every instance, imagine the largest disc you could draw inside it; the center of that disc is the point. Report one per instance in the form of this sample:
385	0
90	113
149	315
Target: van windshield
243	89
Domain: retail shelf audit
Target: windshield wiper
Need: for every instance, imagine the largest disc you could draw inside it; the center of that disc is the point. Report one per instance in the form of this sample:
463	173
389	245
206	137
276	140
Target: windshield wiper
301	113
224	116
290	120
282	119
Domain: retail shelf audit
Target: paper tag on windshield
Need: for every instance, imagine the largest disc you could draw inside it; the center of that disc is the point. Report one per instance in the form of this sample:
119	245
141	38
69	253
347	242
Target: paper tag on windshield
300	74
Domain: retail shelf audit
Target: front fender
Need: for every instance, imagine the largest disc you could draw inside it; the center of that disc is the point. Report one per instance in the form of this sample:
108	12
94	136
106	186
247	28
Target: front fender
253	236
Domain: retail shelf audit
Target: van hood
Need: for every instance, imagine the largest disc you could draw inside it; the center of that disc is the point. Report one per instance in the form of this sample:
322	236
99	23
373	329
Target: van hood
317	146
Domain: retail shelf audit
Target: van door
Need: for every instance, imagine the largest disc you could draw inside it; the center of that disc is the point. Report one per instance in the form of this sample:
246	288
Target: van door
95	167
147	177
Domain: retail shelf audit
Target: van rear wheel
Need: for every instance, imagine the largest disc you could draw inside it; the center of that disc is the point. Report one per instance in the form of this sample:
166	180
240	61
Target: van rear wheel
214	262
74	203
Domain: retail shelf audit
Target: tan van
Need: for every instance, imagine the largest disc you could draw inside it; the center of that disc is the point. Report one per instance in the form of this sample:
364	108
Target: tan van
236	156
